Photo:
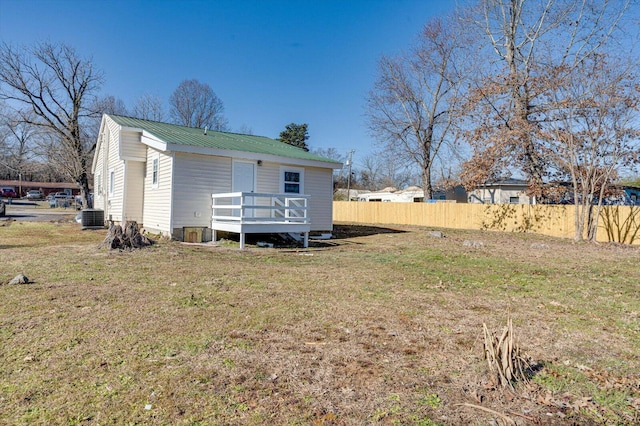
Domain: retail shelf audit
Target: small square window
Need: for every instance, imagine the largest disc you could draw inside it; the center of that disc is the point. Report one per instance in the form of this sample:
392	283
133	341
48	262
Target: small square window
514	200
292	182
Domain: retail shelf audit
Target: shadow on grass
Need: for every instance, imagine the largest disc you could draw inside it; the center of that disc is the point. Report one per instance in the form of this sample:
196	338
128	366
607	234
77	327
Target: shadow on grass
340	232
21	203
19	216
353	231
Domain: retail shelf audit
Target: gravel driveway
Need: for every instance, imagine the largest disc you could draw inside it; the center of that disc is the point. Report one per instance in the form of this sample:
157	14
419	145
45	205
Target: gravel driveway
22	210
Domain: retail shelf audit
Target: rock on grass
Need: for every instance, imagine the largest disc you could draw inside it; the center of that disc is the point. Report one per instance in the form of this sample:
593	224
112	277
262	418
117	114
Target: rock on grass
19	279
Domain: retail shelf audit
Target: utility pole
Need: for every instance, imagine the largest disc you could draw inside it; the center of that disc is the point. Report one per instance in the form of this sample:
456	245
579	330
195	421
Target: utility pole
349	163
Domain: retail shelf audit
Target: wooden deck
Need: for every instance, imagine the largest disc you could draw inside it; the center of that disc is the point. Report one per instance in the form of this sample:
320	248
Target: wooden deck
260	213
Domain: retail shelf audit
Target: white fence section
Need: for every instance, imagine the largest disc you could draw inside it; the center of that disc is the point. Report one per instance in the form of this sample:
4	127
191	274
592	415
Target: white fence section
260	213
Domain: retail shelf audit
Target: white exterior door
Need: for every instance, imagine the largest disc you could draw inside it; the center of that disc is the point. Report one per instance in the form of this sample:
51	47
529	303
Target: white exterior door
244	180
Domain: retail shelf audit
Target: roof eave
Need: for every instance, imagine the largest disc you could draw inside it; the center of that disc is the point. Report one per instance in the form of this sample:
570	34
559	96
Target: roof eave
190	149
153	141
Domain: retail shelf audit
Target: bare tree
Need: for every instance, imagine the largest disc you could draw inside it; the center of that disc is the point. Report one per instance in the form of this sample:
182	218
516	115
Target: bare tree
381	170
54	89
19	142
149	107
339	176
410	108
195	104
330	153
111	105
592	132
506	106
245	130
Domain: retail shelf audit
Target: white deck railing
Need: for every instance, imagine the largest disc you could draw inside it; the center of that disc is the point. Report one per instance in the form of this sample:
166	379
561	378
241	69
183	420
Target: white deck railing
251	212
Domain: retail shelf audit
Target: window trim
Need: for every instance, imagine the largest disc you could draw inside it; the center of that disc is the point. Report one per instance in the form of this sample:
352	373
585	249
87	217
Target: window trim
112	181
98	183
155	171
285	169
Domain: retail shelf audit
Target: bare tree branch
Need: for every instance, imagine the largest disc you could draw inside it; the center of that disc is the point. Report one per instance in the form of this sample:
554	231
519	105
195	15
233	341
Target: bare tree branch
194	104
59	88
410	108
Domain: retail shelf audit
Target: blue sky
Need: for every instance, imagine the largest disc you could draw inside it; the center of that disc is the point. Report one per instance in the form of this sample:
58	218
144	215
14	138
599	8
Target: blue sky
272	62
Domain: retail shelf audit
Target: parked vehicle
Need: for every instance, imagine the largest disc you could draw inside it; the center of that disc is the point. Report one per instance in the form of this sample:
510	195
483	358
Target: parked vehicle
63	195
60	199
34	194
8	193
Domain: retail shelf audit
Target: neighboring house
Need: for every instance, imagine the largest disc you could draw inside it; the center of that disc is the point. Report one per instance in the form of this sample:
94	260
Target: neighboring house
505	191
633	194
414	194
456	194
22	187
343	194
164	176
617	195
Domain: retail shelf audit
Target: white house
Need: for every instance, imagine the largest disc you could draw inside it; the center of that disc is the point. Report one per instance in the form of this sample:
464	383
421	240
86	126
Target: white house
168	177
409	195
505	191
414	194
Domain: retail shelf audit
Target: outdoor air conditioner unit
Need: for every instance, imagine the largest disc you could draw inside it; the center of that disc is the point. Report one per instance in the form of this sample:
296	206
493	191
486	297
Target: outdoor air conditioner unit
92	218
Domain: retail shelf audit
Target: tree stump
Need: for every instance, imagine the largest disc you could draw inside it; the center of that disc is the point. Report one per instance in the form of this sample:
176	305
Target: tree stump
127	238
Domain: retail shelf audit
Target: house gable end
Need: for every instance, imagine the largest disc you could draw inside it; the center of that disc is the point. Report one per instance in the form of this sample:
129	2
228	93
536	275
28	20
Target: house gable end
98	144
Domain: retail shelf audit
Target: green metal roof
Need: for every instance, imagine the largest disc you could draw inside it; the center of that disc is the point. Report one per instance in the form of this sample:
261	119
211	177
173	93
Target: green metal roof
188	136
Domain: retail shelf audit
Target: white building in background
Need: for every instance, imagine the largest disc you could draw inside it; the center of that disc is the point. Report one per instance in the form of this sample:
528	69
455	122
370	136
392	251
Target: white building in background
414	194
505	191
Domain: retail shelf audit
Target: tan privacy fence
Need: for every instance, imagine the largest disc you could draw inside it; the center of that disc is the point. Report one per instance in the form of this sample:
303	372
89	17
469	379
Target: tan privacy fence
617	223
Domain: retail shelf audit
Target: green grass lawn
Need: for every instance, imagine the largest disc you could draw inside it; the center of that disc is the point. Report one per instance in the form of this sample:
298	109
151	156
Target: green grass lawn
378	325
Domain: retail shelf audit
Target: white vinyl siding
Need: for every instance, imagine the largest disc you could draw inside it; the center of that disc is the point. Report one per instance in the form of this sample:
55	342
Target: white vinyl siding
97	184
268	178
130	146
115	190
196	177
157	201
98	178
114	130
134	191
101	172
318	184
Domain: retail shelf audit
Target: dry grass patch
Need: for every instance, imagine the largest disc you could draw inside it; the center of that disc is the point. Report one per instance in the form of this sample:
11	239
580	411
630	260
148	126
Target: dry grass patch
379	325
